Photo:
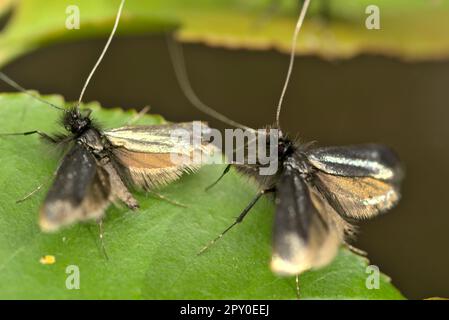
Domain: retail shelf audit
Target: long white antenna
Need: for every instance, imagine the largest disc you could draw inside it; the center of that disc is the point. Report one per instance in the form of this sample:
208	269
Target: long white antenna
292	58
18	87
117	19
177	57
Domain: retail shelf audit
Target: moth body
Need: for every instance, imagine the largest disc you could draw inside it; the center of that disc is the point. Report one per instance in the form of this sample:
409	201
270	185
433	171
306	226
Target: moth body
319	192
101	167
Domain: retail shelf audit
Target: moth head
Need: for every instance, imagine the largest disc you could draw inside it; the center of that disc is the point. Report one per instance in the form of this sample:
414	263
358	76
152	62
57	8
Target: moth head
285	146
76	121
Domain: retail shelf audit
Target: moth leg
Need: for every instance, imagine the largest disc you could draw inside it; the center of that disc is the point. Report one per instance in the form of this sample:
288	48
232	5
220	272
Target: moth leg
239	218
39	187
297	287
355	250
32	193
226	170
27	133
138	116
101	235
164	198
29	195
88	112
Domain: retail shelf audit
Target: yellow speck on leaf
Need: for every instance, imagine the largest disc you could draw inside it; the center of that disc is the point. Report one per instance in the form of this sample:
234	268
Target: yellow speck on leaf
48	259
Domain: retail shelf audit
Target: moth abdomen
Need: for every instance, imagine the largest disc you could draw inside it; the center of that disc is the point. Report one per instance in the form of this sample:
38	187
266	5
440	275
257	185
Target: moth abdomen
119	191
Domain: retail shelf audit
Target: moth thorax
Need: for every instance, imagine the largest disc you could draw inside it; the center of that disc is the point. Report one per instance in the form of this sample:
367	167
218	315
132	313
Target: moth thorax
93	140
300	163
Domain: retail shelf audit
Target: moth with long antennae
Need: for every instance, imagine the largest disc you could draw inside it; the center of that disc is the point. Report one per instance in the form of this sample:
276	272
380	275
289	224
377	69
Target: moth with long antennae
318	192
101	166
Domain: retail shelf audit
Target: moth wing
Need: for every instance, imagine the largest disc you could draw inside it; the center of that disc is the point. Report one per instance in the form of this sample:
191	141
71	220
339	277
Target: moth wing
358	181
303	237
80	191
367	160
152	156
161	138
357	197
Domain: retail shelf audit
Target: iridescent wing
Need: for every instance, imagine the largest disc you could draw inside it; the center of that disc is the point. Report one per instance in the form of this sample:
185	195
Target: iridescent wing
357	181
152	156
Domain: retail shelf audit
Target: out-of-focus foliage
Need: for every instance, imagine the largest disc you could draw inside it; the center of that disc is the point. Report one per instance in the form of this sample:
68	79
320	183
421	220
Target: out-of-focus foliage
410	29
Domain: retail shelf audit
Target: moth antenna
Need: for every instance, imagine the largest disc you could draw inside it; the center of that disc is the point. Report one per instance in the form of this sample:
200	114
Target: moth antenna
164	198
117	19
299	23
138	116
18	87
177	58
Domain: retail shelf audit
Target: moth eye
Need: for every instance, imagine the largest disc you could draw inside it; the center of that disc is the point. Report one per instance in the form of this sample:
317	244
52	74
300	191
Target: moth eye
280	148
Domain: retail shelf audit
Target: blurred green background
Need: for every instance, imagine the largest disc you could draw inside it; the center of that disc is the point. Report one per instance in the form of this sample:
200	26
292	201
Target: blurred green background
370	97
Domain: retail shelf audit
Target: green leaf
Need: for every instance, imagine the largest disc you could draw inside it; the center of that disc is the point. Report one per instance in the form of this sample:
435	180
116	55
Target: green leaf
37	23
152	253
410	29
